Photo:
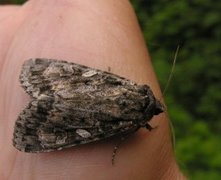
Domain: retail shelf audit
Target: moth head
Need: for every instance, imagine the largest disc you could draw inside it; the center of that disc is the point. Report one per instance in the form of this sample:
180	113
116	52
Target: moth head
159	107
154	106
155	109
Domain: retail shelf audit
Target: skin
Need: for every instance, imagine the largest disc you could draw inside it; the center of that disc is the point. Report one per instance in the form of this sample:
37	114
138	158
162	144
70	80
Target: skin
103	35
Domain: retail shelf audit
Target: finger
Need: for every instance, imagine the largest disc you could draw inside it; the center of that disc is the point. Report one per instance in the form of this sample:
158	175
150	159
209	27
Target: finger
7	10
101	35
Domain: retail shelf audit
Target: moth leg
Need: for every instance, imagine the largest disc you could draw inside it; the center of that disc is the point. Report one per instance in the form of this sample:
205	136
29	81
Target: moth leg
122	139
149	127
116	148
114	154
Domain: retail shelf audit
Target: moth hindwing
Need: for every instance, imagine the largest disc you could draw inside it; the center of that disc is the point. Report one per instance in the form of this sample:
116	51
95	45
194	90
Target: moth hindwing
73	104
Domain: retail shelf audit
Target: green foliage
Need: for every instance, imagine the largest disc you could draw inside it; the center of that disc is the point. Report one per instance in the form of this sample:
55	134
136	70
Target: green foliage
12	1
194	96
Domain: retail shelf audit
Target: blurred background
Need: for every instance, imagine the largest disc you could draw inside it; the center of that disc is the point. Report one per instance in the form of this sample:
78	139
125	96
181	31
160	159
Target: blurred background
194	95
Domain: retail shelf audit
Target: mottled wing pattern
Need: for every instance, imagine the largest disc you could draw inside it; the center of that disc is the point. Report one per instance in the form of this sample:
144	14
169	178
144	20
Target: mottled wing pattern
74	104
36	130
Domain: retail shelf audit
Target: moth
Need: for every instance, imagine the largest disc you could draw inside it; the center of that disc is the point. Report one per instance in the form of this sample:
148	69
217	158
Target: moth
72	104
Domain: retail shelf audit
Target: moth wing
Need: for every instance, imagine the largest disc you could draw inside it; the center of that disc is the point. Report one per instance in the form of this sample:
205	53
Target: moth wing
36	130
86	88
25	136
39	76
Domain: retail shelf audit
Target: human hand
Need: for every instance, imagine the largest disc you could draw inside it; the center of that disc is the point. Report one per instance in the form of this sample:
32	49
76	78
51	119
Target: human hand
101	34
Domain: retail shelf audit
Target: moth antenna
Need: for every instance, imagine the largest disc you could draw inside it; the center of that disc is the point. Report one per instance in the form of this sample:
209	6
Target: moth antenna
165	89
172	70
